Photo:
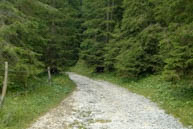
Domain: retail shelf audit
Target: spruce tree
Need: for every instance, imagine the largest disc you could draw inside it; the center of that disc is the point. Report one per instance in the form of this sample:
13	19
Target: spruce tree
98	26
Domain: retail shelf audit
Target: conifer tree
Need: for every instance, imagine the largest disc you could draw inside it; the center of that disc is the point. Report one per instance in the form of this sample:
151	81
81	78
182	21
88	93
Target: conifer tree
139	40
98	26
30	41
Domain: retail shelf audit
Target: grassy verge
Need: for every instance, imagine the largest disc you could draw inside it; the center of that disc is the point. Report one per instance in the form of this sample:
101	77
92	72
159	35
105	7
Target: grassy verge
21	108
174	99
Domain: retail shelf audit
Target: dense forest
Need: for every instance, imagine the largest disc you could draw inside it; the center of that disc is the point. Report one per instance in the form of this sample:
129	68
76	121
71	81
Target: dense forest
37	34
145	46
139	37
131	38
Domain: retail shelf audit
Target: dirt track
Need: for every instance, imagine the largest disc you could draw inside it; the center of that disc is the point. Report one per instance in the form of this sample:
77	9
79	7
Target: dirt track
102	105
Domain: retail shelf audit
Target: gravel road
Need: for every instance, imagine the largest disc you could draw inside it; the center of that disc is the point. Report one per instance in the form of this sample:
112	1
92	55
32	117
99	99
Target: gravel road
102	105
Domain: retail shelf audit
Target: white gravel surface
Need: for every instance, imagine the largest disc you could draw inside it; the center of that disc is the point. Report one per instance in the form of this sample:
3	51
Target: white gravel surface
102	105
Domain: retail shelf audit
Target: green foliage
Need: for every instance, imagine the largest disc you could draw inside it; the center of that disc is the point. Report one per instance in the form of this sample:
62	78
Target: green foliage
143	37
60	32
99	23
36	34
136	43
14	33
179	61
22	106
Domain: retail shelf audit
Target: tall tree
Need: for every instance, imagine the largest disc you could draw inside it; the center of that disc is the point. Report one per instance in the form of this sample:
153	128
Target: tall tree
98	27
39	33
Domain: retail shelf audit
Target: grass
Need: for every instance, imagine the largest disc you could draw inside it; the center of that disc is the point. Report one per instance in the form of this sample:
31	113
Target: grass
174	99
23	107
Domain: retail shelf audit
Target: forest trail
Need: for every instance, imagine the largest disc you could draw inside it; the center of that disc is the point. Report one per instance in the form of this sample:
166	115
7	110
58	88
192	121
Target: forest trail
102	105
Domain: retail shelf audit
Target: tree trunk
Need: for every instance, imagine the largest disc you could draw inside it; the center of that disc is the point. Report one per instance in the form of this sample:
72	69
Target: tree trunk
108	18
49	76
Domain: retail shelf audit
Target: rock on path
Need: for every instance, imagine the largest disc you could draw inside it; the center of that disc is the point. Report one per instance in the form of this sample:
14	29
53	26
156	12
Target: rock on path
102	105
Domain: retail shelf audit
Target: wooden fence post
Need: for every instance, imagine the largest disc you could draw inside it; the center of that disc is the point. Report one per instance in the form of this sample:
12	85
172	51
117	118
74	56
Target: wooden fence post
49	76
4	90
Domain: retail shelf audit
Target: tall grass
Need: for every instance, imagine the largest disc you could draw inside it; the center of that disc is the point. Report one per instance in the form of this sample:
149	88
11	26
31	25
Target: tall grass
22	107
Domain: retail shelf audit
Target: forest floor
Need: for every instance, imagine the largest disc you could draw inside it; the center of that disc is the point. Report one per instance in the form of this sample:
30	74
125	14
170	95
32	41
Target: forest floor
101	105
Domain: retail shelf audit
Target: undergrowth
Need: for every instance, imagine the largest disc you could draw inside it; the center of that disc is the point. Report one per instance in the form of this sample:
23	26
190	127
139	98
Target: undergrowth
23	107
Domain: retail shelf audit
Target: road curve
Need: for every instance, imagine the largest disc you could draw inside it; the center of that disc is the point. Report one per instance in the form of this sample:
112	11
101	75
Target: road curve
102	105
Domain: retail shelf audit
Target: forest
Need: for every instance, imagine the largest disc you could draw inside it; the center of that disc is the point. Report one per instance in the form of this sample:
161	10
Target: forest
38	34
134	38
131	39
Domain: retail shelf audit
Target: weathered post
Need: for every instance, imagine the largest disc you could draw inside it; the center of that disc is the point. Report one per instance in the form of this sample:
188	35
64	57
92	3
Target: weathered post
49	76
4	89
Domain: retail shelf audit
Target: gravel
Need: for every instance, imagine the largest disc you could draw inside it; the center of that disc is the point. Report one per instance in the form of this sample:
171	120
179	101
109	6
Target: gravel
102	105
